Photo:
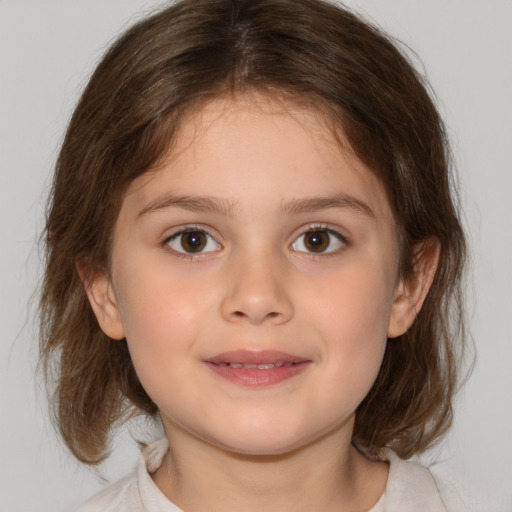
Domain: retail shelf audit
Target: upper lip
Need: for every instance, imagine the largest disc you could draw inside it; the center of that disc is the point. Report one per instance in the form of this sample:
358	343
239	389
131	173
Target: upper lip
255	357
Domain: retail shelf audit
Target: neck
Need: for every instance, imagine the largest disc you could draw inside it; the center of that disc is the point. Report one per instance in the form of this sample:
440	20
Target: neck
329	475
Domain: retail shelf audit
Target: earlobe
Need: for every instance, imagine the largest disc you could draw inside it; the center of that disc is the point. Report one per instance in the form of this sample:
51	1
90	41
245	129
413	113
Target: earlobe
411	292
103	302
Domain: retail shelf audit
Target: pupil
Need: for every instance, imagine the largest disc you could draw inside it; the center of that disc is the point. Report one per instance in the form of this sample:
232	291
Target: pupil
317	241
194	241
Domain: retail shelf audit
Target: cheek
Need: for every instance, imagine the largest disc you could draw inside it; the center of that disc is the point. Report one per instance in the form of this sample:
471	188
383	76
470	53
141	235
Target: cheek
155	302
352	320
161	316
355	303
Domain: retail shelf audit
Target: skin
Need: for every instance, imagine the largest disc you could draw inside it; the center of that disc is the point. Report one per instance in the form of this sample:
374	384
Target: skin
256	285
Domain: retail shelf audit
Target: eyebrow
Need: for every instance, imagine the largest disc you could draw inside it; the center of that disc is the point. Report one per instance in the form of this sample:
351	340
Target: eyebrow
202	204
341	200
199	204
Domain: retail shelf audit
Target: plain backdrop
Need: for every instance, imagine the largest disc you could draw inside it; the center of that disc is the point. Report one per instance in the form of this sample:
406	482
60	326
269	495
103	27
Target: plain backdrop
48	48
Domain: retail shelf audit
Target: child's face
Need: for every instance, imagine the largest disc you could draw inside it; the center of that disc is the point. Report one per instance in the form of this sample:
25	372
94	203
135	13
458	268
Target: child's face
289	256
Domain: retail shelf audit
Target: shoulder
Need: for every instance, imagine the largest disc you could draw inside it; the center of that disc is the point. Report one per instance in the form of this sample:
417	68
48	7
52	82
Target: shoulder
415	484
410	486
123	496
136	492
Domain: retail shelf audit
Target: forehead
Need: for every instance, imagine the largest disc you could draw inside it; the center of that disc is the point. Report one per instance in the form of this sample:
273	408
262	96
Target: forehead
253	145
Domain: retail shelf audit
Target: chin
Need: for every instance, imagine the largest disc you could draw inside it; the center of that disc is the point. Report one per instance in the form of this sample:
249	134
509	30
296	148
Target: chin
261	447
263	440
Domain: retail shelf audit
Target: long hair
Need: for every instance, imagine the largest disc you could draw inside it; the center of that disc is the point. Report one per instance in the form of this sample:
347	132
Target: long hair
167	66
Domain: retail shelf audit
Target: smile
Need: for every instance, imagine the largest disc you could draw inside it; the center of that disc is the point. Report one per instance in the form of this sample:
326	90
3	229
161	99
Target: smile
253	366
257	369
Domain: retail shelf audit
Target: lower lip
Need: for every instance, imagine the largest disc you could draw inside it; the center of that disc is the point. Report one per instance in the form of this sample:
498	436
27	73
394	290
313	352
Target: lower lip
258	378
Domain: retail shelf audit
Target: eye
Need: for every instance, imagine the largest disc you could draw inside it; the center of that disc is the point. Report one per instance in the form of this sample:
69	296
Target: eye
192	241
319	240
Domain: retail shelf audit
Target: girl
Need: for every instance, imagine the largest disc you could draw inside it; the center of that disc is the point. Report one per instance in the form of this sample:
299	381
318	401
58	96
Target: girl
251	236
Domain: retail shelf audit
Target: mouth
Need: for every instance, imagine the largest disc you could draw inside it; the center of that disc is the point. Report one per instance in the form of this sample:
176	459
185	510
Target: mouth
257	368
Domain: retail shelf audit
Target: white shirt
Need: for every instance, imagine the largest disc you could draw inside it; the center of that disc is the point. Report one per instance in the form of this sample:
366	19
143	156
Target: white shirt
410	488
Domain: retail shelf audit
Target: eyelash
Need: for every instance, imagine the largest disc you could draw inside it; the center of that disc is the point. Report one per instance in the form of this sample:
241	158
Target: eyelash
322	228
184	231
319	228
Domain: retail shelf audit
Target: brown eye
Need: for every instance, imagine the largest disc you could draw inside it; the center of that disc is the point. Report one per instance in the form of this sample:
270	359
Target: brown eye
193	242
319	241
316	241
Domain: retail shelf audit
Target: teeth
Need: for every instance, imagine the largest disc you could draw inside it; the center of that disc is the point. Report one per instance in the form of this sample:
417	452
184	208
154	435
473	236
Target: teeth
266	366
254	366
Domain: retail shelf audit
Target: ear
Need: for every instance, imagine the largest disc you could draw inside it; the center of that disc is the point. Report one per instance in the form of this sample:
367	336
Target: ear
411	291
101	296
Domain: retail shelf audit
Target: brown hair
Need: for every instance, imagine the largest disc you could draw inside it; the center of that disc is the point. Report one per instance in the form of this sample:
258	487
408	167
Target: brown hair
169	64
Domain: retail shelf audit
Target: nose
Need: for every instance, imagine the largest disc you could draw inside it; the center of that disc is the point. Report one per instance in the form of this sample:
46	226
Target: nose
257	292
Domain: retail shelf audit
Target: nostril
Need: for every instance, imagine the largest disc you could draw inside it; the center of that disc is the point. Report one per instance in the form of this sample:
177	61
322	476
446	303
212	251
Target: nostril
242	315
241	306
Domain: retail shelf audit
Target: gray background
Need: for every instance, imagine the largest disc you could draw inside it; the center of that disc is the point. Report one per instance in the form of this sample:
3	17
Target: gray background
47	50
